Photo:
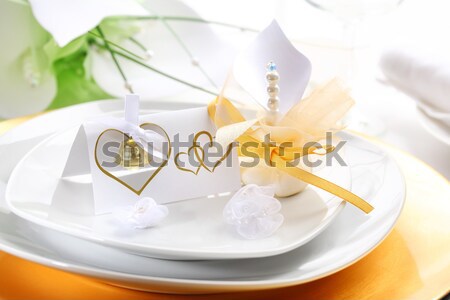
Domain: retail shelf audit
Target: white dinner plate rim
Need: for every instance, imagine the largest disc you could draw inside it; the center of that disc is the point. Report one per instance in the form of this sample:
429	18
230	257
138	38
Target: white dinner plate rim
243	285
240	284
231	255
173	253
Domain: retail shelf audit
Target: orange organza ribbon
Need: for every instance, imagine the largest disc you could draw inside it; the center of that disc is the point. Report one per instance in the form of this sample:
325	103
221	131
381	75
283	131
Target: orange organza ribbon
306	121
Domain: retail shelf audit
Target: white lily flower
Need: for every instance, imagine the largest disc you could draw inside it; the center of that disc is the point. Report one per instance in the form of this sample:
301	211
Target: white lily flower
36	29
27	84
66	20
254	212
271	45
25	87
250	78
167	55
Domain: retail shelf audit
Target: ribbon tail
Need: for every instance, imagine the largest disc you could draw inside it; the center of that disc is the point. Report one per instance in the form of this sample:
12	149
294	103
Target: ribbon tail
321	183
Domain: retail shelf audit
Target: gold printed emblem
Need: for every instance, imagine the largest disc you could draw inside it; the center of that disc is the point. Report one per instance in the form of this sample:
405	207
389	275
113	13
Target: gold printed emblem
125	137
201	154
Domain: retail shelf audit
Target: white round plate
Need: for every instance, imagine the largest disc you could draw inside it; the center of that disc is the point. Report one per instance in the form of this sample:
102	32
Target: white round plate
194	229
350	237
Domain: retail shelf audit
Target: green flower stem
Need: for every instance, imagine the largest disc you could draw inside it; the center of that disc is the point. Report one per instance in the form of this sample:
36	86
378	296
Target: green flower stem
137	59
186	49
131	58
137	43
107	46
116	45
191	19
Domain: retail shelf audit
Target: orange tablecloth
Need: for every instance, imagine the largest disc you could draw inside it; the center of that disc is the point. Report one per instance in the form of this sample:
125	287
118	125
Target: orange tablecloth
412	263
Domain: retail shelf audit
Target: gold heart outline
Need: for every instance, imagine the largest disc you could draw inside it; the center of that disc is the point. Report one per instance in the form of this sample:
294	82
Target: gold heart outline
138	192
177	161
202	162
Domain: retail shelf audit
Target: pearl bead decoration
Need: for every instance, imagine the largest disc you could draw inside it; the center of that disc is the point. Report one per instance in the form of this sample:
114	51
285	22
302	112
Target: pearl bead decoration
128	86
149	54
272	78
195	62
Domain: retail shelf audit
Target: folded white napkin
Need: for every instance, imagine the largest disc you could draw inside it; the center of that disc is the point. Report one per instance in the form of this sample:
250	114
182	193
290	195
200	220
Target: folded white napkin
424	76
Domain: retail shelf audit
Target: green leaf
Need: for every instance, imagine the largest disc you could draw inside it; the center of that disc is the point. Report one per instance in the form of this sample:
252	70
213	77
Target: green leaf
71	64
74	86
55	52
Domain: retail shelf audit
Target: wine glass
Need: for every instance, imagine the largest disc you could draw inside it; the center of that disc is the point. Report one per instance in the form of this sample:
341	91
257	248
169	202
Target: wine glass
352	14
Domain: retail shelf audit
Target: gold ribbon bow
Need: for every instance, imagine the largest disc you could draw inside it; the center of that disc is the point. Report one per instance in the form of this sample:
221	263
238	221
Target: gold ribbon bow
230	122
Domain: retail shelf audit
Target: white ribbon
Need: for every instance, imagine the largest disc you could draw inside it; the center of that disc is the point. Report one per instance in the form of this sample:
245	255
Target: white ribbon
152	142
